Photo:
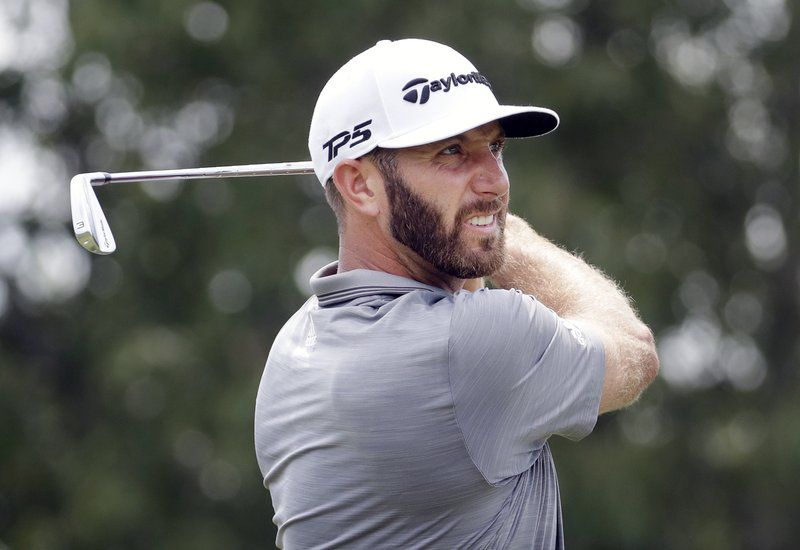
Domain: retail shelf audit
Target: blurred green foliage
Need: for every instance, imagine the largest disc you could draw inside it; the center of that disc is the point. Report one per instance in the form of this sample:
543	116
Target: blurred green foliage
126	405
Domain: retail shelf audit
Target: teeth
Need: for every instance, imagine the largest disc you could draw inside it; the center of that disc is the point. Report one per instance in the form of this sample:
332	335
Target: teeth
481	220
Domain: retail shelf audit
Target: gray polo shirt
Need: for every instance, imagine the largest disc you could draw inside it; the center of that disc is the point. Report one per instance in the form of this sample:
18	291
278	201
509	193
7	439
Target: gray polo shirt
393	414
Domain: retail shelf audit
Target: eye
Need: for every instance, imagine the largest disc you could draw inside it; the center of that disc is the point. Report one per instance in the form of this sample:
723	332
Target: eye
497	147
451	150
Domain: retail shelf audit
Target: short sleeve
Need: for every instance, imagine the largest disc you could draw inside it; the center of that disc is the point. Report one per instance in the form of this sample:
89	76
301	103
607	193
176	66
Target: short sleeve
519	373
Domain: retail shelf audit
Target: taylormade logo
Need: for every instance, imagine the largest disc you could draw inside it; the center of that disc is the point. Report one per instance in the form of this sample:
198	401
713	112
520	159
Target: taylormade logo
420	89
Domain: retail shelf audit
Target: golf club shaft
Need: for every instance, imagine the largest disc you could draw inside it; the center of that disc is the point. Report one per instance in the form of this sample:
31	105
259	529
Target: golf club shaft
244	170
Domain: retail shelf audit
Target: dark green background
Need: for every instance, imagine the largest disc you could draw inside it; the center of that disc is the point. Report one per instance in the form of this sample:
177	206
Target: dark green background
126	405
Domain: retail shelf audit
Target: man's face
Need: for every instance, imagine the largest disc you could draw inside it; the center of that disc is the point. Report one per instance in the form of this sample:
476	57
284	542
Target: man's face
448	202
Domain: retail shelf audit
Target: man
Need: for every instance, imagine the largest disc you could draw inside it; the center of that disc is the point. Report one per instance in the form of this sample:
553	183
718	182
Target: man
404	405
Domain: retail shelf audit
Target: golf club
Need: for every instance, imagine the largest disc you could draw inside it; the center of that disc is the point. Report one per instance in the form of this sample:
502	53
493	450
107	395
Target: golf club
89	222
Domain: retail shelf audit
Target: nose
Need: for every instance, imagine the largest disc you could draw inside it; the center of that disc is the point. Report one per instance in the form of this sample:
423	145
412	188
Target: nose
490	179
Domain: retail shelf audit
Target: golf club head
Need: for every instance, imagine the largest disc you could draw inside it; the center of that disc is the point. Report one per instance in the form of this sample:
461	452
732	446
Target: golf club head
88	221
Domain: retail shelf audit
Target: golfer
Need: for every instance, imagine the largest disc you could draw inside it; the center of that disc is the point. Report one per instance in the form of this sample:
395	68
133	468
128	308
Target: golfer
405	405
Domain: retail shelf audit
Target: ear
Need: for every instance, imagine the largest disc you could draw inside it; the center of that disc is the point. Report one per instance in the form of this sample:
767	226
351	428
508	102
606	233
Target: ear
360	185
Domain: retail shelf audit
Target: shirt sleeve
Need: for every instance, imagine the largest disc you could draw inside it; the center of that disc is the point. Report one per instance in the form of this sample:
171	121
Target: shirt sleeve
519	373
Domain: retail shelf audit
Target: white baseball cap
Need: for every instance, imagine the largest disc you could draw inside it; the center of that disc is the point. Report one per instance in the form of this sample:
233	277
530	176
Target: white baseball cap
404	93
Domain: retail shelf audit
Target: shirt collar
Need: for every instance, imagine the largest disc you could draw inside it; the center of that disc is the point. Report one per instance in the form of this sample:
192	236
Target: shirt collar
332	288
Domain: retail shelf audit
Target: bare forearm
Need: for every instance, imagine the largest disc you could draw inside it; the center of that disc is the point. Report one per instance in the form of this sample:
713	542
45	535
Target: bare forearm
577	291
560	280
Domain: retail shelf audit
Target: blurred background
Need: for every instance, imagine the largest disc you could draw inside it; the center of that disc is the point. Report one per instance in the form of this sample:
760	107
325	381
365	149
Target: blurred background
128	382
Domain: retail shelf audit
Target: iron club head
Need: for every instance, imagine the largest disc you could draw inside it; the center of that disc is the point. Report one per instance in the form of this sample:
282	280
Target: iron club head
88	221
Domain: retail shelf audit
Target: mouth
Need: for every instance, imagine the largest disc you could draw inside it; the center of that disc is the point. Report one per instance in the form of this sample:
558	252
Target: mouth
482	222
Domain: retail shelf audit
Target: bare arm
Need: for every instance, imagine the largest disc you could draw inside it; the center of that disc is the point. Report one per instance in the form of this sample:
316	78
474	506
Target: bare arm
576	291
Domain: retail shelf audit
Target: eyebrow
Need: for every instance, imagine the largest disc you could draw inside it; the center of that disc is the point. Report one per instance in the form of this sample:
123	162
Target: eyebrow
499	133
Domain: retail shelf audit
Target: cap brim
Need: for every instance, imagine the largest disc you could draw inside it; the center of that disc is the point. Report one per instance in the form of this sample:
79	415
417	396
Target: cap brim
517	122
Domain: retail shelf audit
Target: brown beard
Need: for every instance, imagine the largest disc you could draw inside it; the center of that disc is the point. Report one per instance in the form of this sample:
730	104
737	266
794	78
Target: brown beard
420	226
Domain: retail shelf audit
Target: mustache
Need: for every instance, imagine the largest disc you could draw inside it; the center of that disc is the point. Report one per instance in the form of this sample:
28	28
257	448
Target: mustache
483	207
